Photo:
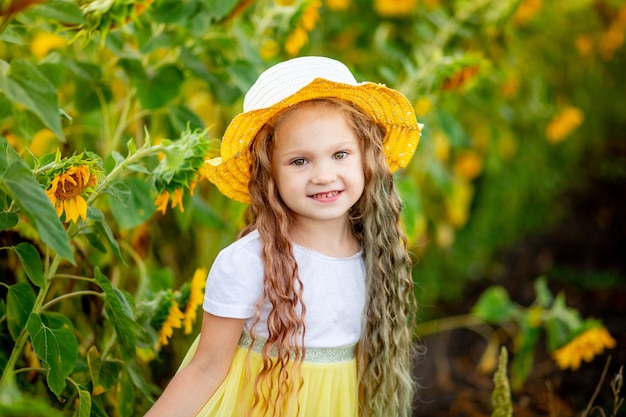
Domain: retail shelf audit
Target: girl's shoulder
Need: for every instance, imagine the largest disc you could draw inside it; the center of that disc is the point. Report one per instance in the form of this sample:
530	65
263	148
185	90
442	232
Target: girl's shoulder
242	253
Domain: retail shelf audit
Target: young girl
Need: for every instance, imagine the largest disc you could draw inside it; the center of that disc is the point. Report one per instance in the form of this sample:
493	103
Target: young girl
308	313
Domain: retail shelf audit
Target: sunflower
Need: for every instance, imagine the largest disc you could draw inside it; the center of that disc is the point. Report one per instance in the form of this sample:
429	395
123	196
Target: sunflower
564	123
191	296
585	346
67	190
167	318
180	169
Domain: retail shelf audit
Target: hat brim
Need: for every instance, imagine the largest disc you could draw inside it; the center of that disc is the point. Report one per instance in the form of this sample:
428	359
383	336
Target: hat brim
388	107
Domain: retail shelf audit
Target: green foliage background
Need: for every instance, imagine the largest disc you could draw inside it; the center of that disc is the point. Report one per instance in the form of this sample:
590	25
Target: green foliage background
124	81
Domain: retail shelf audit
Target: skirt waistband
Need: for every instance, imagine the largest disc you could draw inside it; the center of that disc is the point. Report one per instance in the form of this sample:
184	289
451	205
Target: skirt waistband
312	355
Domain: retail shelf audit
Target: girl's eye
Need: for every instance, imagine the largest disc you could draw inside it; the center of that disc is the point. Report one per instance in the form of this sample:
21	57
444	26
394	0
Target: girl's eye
298	162
340	155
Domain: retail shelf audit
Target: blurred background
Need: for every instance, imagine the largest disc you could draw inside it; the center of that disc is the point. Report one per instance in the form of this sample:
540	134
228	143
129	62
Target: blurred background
515	200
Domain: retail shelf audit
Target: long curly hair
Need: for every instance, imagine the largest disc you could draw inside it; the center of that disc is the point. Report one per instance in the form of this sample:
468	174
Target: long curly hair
384	349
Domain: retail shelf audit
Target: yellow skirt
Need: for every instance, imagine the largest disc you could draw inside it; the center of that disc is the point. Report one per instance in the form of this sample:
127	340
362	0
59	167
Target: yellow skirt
329	383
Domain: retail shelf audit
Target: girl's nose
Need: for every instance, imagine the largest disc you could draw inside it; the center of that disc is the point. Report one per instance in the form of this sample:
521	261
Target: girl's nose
323	175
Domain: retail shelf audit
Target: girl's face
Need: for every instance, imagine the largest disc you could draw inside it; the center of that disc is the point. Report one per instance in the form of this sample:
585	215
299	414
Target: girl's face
317	164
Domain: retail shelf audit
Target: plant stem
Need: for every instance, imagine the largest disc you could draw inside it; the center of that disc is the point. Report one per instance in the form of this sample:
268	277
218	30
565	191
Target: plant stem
130	159
447	324
69	295
598	386
23	336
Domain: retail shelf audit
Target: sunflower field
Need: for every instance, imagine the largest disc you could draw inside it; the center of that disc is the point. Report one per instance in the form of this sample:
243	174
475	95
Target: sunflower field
514	201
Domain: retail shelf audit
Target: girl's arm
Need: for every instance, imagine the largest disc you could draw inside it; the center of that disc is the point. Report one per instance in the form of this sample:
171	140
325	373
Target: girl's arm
192	387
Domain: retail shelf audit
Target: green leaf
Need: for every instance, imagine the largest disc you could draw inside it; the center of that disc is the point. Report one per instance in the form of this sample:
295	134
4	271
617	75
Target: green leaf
219	9
120	314
173	11
104	374
137	209
157	90
28	406
20	302
7	220
84	405
138	378
126	397
524	352
494	306
17	181
104	231
31	261
544	295
412	205
56	348
23	83
62	10
561	323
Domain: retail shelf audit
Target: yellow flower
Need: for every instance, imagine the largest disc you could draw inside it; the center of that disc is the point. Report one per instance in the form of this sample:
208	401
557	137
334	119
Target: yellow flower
180	169
298	38
583	347
174	321
394	8
441	146
526	11
584	44
42	142
468	165
66	189
310	16
612	39
337	5
422	106
458	203
162	200
44	42
564	123
196	296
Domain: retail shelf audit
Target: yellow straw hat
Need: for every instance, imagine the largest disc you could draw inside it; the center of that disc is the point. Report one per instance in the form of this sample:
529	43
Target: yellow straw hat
302	79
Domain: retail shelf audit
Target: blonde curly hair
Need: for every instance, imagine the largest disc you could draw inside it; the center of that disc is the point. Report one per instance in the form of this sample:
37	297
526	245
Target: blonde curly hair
385	348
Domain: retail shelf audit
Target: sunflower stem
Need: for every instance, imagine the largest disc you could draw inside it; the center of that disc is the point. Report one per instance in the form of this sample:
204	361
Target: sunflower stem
21	339
141	153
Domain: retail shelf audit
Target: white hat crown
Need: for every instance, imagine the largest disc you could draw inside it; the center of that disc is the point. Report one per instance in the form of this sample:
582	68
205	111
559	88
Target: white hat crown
287	78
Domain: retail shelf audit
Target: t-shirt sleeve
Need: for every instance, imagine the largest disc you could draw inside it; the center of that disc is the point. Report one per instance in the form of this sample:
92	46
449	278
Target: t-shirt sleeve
234	283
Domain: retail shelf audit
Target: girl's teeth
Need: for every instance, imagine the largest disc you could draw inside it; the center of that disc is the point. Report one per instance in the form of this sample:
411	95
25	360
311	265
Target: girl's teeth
326	195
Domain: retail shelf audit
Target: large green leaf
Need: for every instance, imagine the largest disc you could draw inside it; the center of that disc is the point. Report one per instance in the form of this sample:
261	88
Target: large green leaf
31	261
160	88
104	374
56	348
126	398
494	305
104	231
120	314
17	181
62	10
218	9
137	208
23	83
20	302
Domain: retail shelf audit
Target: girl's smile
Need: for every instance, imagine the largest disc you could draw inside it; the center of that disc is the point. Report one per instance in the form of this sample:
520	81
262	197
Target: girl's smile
317	164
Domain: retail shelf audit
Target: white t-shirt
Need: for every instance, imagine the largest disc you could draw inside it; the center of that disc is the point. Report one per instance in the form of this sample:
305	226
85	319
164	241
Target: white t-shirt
334	291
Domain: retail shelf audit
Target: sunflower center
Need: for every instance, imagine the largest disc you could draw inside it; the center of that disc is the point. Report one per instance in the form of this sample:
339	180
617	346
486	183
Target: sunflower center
71	184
